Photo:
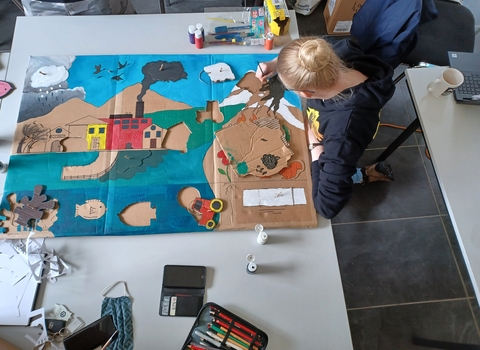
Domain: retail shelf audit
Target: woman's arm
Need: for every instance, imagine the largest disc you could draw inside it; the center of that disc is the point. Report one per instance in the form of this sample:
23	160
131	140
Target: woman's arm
332	184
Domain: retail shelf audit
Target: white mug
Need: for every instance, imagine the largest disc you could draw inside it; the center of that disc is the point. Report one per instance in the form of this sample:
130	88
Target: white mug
448	81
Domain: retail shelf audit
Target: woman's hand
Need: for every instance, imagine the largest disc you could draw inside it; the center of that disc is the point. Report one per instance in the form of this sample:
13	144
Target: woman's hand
266	70
317	150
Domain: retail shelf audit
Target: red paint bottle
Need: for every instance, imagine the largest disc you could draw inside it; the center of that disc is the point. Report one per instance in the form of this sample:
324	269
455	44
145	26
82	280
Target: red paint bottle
198	39
269	41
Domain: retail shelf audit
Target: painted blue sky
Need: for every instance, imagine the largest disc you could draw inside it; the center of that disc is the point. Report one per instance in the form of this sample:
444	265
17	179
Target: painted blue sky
100	87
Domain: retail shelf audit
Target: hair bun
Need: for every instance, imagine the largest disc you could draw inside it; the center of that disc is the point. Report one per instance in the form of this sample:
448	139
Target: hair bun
314	55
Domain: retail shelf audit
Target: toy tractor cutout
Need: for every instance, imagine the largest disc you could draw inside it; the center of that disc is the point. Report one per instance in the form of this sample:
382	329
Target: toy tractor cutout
207	209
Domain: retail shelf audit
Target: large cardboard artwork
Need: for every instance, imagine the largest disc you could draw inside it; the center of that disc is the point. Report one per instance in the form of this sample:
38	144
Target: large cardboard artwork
143	144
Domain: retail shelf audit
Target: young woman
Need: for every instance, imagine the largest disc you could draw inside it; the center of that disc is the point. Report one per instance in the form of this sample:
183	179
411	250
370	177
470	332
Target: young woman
345	91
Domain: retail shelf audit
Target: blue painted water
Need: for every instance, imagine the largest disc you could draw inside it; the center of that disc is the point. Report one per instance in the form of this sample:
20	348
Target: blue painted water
159	186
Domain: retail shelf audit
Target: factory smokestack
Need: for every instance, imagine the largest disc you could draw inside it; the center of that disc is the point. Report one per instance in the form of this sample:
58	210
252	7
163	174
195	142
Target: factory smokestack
139	108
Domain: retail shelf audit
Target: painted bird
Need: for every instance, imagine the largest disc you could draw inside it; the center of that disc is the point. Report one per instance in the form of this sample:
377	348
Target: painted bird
5	88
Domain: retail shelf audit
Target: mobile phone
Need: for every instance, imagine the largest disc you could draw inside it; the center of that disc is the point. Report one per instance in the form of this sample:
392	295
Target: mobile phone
183	276
91	336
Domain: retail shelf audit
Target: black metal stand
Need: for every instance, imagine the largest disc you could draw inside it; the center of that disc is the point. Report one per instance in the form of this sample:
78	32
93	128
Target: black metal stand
399	140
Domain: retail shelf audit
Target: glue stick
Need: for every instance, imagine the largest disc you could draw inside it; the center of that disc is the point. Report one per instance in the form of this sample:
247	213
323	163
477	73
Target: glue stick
198	39
191	33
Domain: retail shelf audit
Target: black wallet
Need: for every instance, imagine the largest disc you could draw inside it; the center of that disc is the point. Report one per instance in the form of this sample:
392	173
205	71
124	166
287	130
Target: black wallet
183	290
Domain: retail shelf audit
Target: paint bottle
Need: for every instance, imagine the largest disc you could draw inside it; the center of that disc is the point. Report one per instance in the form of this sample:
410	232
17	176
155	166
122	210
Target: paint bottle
200	28
191	33
198	39
269	41
262	237
251	267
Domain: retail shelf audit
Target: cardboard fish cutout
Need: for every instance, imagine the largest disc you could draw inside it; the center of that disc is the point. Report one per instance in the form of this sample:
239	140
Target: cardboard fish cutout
92	209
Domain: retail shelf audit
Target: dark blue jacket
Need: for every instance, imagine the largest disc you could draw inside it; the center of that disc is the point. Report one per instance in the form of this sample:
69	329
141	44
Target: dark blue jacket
388	28
346	125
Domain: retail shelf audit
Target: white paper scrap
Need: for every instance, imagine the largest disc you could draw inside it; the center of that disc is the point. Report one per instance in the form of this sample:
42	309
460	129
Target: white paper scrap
275	197
251	198
299	196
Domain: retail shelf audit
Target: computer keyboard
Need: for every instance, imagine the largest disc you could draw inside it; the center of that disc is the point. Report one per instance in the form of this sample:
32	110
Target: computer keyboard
471	84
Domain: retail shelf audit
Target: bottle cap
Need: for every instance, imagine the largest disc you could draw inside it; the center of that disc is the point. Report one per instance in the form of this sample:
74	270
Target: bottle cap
250	258
251	268
258	228
198	34
191	29
199	26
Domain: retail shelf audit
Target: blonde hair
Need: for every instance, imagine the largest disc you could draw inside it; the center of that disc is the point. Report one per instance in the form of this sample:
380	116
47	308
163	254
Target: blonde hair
309	62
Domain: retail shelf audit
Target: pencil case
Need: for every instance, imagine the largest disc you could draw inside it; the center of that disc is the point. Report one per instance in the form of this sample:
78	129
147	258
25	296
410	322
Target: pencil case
218	328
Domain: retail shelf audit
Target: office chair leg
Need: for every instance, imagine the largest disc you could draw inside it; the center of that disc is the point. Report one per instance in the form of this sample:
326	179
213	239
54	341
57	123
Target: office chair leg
443	344
399	140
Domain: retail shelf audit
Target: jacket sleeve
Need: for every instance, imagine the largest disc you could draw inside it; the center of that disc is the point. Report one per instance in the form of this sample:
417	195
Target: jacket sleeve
332	175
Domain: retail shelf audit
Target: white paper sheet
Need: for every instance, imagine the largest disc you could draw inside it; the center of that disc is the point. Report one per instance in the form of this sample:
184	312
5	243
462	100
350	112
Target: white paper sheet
274	197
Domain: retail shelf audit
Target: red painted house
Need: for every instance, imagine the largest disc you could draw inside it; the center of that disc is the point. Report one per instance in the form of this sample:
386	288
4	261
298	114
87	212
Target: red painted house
126	132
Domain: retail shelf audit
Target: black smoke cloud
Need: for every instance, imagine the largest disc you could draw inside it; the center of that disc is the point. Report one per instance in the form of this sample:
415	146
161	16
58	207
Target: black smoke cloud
160	71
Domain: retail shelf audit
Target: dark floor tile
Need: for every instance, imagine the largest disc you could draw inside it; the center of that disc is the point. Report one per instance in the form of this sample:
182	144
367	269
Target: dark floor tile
474	305
392	328
383	263
457	252
437	193
314	23
409	195
394	113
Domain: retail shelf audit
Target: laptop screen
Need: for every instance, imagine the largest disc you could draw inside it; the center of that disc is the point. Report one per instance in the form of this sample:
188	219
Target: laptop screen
469	64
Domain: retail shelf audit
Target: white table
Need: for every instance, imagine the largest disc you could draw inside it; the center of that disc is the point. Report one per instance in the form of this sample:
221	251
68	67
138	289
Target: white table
295	297
452	132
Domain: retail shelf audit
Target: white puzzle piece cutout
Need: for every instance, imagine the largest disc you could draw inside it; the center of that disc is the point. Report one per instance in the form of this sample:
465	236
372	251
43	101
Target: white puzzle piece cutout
219	72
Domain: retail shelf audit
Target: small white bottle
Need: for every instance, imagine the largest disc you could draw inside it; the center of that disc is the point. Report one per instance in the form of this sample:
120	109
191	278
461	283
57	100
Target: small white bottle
262	237
251	267
199	27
